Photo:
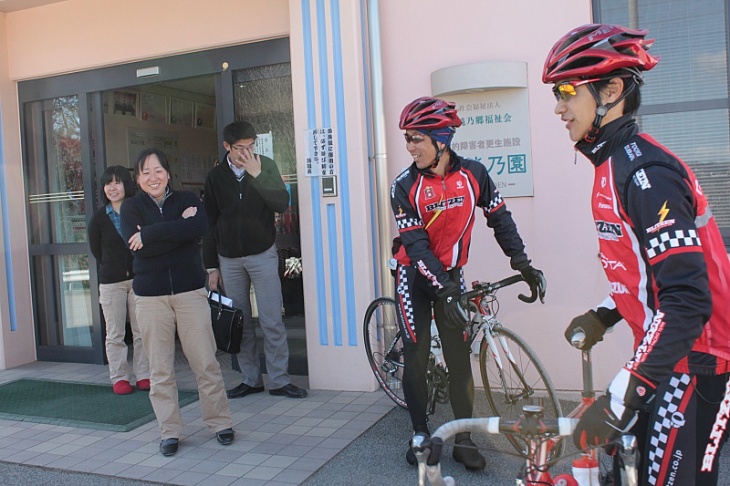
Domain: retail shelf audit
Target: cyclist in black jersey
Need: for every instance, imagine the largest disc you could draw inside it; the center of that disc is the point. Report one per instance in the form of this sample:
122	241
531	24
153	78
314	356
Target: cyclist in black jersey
666	261
434	202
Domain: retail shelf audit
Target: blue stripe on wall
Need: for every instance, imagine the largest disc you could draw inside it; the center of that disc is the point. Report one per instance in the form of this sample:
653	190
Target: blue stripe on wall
314	181
324	94
341	134
6	237
334	273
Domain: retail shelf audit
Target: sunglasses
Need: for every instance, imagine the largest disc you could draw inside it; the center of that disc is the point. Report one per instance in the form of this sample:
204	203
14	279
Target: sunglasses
566	89
414	138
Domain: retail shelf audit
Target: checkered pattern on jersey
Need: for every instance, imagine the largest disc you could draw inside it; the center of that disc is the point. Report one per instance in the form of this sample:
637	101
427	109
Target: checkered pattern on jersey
493	204
407	223
672	239
667	406
406	306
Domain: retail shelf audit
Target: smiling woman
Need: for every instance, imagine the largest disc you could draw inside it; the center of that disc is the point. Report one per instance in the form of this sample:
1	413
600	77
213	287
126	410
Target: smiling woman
162	227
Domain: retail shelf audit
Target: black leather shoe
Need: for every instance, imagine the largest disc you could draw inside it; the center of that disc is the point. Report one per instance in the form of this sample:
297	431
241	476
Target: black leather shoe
225	436
290	391
168	447
242	390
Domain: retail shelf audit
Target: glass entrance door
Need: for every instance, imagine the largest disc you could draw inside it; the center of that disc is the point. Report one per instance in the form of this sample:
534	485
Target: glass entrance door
57	205
75	125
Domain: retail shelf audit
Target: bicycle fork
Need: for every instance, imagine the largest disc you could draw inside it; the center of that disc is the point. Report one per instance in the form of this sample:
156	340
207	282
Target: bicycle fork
526	388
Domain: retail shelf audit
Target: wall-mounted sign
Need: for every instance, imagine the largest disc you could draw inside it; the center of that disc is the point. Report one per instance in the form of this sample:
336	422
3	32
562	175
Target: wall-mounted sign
495	131
321	150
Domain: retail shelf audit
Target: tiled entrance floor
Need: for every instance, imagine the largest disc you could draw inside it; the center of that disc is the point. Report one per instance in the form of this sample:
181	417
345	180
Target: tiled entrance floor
278	440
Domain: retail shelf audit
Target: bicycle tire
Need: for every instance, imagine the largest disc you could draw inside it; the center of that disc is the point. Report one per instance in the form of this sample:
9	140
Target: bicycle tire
384	347
535	375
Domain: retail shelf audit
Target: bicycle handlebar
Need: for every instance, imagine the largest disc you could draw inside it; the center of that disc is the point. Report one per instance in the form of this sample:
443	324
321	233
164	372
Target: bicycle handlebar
486	288
428	451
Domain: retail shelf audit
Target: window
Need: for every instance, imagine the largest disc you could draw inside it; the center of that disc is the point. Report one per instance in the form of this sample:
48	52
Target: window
685	98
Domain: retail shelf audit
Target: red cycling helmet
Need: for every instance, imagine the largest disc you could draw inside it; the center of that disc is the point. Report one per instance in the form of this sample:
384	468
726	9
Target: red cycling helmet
427	114
598	49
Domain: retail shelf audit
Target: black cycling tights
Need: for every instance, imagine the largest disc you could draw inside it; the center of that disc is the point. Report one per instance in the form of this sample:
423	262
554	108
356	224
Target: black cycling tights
456	354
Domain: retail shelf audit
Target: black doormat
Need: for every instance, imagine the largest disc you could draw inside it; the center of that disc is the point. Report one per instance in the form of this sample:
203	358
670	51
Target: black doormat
82	405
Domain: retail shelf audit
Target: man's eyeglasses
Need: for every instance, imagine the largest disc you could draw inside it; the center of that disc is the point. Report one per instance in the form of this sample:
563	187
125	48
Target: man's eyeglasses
414	138
241	148
566	89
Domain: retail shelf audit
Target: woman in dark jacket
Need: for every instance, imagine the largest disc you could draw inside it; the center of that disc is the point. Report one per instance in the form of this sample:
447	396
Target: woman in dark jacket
162	228
115	274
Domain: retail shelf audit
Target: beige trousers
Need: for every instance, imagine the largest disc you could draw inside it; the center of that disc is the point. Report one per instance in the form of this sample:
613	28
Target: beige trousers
116	299
189	314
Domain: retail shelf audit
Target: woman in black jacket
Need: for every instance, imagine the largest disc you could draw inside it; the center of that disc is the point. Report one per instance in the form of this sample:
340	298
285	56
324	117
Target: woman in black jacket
162	228
115	274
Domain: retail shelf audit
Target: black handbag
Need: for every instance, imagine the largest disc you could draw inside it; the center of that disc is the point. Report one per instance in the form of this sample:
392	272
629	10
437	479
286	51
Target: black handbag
227	323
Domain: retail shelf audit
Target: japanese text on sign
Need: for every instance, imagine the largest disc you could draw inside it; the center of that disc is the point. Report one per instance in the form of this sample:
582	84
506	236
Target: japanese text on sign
495	131
321	158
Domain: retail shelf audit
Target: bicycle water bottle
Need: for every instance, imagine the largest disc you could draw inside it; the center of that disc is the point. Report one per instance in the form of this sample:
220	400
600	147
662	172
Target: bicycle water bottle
585	471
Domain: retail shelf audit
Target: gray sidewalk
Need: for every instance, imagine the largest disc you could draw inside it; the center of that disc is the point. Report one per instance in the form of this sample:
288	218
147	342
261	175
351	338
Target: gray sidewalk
330	438
279	440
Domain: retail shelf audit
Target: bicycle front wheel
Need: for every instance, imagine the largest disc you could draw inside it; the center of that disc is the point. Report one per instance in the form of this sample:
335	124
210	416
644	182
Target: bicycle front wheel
513	376
384	347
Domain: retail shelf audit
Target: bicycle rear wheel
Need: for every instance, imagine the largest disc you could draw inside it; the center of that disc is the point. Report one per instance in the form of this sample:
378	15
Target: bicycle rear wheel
384	347
517	381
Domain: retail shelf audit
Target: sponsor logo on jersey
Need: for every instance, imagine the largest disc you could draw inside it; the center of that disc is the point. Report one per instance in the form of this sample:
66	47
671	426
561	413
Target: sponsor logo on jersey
428	192
641	180
611	264
676	459
677	419
609	231
618	288
604	196
449	203
632	150
598	147
436	206
604	206
400	213
647	344
718	430
459	185
663	222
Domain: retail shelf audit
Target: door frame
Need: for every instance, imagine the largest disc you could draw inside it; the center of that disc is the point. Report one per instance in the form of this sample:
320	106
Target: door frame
88	86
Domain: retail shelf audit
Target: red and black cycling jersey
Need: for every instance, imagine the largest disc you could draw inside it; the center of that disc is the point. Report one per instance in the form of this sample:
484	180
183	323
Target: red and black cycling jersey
435	217
662	252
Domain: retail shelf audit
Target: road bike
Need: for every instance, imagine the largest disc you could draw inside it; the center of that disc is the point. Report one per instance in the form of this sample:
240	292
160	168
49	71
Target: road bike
512	374
540	436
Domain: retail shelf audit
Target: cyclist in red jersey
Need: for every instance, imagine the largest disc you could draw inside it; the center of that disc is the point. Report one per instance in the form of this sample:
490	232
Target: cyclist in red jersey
665	260
434	202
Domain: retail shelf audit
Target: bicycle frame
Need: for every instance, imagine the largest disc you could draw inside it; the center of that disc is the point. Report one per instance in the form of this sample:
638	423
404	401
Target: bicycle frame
540	435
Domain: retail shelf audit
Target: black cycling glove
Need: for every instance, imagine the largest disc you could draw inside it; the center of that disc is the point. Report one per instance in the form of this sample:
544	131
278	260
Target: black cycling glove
535	279
448	309
591	325
614	413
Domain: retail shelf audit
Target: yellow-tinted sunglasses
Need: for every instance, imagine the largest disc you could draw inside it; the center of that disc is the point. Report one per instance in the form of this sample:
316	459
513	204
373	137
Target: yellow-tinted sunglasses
565	89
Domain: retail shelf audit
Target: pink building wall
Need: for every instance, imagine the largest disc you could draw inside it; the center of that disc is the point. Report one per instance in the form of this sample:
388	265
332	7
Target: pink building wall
418	37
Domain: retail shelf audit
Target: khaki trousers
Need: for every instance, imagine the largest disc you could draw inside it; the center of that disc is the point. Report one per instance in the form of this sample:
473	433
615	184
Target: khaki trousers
116	299
189	314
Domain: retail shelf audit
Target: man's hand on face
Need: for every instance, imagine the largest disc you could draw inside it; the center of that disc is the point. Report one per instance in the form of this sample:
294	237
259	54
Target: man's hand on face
249	161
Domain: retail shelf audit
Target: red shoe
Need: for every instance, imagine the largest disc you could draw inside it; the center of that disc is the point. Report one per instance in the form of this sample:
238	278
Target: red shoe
122	387
143	384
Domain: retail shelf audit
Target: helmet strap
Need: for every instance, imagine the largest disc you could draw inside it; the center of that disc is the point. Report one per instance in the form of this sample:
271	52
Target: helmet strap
602	110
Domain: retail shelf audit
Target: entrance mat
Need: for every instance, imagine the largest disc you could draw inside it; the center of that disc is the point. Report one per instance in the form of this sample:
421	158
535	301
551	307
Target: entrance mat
83	405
